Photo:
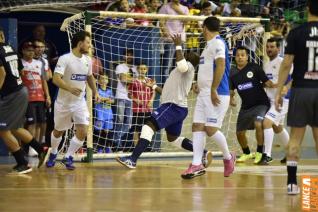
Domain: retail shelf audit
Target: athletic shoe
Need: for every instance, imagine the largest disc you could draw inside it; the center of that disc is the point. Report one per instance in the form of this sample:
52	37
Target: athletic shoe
229	165
207	159
245	157
68	162
264	160
43	156
22	169
258	157
193	171
269	159
126	161
51	161
284	160
293	189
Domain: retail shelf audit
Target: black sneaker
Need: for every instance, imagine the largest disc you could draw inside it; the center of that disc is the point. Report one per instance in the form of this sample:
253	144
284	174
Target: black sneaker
264	160
283	161
43	156
22	169
269	159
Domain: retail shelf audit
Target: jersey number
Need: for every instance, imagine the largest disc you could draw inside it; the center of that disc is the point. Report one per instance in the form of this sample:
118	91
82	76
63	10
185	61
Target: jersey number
313	59
14	68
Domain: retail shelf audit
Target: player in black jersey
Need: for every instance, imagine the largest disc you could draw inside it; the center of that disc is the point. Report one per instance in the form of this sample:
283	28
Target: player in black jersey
13	105
302	52
249	80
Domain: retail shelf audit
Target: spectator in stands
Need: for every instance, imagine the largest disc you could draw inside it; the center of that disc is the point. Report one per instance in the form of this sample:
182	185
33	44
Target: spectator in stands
171	27
97	66
209	7
274	10
231	8
142	97
154	6
125	73
33	79
103	114
248	9
140	7
119	6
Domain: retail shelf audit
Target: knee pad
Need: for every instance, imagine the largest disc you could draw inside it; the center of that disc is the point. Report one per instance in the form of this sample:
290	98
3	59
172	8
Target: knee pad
147	132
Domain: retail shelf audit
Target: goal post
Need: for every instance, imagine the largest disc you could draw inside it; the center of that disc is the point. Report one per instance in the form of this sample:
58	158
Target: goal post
112	32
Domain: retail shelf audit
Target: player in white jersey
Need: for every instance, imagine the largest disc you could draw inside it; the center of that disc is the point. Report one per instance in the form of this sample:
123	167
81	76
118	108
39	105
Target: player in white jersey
72	72
212	101
173	108
274	120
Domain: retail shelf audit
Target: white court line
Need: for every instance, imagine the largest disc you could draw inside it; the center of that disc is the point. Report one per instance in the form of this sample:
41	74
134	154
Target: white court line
149	188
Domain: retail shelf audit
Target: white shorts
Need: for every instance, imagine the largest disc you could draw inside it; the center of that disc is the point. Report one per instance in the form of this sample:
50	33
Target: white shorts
277	117
64	117
205	112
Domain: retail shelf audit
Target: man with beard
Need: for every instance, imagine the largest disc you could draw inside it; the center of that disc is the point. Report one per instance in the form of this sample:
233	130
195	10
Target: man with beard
72	72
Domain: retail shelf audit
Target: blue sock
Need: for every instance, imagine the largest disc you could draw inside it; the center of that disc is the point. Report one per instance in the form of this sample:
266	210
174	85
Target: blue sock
139	149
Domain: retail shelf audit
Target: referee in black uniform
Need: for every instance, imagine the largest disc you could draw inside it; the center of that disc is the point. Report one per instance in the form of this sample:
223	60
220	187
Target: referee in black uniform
13	105
302	52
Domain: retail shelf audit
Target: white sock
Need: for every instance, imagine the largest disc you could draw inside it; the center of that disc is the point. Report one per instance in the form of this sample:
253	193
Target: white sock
75	144
178	142
268	141
198	147
220	140
284	137
55	142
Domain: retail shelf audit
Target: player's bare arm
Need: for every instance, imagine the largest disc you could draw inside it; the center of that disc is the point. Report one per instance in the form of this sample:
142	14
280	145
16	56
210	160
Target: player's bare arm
232	98
218	74
46	93
282	77
92	84
2	76
182	64
59	82
270	84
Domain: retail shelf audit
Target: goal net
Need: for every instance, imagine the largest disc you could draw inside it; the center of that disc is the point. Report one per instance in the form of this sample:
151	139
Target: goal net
116	123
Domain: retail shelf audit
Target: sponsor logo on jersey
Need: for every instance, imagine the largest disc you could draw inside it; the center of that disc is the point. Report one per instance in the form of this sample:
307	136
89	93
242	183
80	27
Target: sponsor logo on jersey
211	120
271	114
201	60
79	77
2	124
7	49
270	76
245	86
249	74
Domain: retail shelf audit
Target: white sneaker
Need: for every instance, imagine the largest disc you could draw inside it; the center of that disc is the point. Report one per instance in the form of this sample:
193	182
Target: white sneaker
293	189
32	152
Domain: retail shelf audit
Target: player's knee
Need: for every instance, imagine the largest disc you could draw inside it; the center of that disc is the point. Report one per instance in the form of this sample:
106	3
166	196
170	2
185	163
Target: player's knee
147	132
172	138
57	133
293	150
210	131
277	129
258	125
267	123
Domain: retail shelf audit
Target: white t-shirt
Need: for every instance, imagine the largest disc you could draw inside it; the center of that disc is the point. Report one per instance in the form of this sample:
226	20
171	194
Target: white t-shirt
214	49
178	86
271	69
75	71
122	92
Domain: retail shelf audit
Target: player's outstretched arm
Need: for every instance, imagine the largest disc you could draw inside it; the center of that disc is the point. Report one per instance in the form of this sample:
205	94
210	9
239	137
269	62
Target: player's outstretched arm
2	76
182	64
59	82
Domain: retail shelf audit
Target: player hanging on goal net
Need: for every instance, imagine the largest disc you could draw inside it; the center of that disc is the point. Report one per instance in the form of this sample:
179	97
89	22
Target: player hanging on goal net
173	109
72	72
212	101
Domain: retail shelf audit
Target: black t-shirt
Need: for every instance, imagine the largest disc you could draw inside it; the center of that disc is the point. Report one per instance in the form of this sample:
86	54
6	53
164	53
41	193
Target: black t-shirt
302	42
249	84
9	60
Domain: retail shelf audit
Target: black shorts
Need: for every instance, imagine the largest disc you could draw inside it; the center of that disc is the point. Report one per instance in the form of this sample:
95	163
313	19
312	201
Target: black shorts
12	109
303	107
36	113
138	120
246	118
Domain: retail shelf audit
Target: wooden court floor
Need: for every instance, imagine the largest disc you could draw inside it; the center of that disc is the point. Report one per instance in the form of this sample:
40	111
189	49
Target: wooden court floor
153	186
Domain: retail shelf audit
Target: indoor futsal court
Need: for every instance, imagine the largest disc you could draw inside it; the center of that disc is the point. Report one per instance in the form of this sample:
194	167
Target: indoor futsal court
155	185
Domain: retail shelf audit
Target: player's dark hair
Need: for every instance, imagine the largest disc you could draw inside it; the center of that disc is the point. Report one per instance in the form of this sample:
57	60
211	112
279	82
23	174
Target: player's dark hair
79	37
128	51
313	7
274	40
212	24
243	48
